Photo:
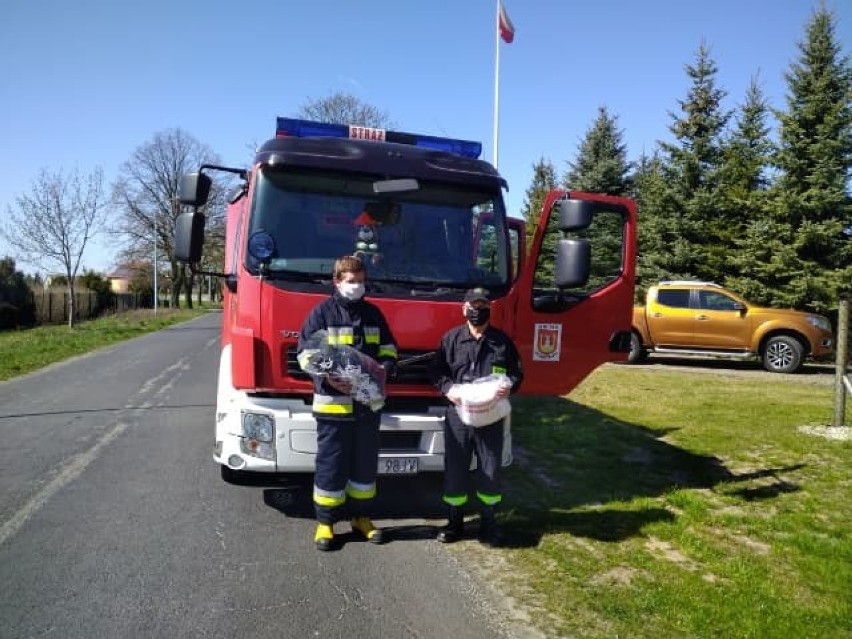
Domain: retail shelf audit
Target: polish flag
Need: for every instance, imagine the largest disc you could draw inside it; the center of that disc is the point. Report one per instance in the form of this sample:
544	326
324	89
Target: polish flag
505	26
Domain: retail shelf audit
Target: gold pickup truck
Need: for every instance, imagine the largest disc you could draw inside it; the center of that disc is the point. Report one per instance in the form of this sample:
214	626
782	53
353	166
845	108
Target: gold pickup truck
702	318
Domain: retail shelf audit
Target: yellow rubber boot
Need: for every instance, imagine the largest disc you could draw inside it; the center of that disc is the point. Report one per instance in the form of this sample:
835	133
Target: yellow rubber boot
364	526
324	537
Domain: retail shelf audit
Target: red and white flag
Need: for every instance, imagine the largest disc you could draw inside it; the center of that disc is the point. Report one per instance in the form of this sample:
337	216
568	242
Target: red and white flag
504	25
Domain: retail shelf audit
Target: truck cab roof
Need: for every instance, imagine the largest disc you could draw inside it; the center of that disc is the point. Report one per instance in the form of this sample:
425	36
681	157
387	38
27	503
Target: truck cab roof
379	158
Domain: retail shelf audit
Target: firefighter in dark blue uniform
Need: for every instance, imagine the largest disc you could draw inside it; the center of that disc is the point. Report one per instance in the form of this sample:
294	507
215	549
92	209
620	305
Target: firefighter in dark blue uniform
472	351
347	431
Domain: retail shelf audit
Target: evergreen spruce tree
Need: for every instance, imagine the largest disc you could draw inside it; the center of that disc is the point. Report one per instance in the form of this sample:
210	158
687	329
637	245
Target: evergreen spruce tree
692	171
746	153
17	304
814	159
768	263
662	251
544	181
601	165
743	221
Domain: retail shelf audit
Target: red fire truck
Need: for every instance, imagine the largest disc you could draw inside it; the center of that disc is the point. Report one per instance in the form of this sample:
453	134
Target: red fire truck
436	226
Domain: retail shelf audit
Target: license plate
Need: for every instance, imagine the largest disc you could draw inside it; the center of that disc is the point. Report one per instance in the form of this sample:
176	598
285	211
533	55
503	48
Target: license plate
398	466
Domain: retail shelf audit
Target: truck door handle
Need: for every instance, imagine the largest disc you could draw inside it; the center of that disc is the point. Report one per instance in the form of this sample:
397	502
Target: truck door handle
701	317
658	314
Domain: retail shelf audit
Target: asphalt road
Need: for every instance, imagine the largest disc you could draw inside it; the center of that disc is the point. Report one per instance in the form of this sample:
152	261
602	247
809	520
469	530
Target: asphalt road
114	521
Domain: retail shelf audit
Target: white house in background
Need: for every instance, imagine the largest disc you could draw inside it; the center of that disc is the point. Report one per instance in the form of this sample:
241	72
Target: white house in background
119	280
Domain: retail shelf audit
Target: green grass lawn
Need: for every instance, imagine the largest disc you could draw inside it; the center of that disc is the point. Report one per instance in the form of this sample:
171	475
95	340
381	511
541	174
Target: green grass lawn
24	351
675	504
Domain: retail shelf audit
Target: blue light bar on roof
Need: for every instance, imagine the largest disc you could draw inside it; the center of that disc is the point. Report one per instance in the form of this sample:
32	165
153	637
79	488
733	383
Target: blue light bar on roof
292	127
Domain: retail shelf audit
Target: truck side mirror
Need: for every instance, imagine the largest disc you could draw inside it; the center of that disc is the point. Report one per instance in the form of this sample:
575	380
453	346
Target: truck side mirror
189	237
575	215
573	262
194	189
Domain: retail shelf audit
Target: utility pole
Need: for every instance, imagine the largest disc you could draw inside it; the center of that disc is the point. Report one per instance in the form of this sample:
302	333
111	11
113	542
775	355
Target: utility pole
156	290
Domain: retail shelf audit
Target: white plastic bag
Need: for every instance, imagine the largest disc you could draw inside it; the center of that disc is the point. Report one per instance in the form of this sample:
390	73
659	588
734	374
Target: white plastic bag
479	403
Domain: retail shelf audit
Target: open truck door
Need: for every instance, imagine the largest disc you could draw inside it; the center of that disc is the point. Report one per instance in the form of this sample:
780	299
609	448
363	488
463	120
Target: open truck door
574	293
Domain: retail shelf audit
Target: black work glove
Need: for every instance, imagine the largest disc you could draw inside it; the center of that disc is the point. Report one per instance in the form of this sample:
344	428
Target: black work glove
390	369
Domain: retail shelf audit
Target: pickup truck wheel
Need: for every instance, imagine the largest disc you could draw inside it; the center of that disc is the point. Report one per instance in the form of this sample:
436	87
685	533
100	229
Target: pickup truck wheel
783	354
637	353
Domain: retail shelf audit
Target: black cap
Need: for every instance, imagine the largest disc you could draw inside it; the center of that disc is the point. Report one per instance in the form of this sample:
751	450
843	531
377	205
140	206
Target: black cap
475	294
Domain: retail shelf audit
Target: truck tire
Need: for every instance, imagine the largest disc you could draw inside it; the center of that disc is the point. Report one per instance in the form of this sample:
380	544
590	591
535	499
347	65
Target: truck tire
637	352
783	354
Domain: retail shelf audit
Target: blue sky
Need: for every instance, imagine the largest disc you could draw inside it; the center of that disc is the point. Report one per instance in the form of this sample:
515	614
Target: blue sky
84	83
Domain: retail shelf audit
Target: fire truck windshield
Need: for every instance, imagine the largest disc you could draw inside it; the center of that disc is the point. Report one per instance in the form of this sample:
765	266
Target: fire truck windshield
441	234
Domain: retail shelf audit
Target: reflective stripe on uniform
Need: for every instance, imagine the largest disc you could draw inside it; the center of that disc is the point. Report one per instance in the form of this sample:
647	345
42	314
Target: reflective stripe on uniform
358	490
328	498
371	334
498	370
387	350
489	500
332	404
455	500
341	335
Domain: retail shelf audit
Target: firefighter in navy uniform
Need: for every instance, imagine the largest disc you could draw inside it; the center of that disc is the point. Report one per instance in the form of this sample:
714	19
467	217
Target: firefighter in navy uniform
472	351
347	431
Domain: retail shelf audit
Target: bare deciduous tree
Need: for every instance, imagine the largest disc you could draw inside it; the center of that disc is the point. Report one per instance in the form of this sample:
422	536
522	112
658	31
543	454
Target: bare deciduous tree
344	108
51	225
145	193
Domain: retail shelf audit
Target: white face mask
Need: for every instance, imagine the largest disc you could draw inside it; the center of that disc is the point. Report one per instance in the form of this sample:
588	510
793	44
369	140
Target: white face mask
351	290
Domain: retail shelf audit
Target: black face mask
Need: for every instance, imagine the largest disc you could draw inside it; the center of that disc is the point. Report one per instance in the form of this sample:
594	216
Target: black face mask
478	316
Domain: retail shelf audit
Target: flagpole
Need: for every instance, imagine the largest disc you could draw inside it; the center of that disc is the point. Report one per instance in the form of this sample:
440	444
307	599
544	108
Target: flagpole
496	82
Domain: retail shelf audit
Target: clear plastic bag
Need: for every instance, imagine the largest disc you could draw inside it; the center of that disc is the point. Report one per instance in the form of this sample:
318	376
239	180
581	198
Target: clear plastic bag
480	405
365	375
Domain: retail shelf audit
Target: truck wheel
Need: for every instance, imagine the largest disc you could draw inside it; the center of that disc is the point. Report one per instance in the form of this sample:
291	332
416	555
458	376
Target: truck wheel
637	353
783	354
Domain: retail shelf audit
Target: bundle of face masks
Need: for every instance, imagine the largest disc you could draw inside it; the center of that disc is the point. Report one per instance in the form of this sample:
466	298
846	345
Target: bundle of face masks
366	375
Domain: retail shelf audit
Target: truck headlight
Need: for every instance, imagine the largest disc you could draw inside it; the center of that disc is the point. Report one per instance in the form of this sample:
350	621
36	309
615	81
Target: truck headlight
258	426
257	449
820	322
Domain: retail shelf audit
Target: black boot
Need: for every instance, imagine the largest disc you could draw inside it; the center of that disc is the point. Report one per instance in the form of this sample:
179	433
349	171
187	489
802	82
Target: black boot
454	530
489	532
